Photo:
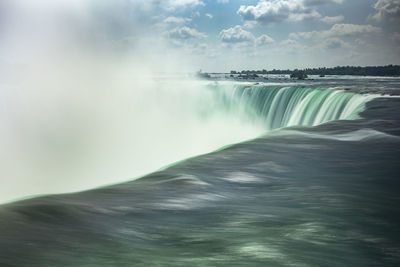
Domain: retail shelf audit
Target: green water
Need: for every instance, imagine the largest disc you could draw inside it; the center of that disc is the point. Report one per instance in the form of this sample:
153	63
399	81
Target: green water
311	196
277	107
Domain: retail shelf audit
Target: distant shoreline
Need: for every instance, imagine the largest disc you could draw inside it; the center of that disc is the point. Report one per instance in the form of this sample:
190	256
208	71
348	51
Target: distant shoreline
388	70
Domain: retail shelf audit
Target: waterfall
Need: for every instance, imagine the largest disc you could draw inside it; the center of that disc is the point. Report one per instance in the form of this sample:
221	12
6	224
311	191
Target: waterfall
277	107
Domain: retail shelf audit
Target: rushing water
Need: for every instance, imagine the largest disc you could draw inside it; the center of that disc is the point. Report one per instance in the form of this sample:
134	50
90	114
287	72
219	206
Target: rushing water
322	192
120	134
276	106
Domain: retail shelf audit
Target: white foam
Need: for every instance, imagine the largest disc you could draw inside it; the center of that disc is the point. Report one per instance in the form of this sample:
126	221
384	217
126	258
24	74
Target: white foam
358	135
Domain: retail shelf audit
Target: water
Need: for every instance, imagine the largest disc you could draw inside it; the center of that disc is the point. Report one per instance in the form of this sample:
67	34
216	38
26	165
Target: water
322	192
276	106
73	139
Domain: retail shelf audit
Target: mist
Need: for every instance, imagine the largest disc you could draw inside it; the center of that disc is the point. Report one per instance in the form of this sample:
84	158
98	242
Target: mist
87	99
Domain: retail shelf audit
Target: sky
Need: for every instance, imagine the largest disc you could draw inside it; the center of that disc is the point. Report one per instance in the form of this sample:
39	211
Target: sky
211	35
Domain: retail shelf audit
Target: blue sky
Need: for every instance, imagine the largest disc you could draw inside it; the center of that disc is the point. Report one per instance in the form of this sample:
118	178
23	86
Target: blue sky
297	33
227	34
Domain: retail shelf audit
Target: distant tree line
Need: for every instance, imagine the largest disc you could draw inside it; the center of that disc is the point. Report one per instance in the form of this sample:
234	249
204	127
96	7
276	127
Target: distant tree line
389	70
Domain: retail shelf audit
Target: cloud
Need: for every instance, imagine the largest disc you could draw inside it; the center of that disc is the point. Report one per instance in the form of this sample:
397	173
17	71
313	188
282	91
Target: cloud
264	40
386	9
291	46
223	1
175	4
334	43
276	11
337	30
236	35
321	2
352	29
185	33
209	15
177	20
203	49
332	20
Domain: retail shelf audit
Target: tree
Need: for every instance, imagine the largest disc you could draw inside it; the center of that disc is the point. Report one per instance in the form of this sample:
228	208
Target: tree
299	74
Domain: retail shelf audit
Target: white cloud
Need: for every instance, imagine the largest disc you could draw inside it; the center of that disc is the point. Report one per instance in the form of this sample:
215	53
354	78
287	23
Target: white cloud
279	10
292	46
209	15
264	40
176	20
352	29
338	36
203	49
174	4
321	2
236	35
334	43
332	20
242	38
223	1
386	9
185	33
266	12
169	5
337	30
